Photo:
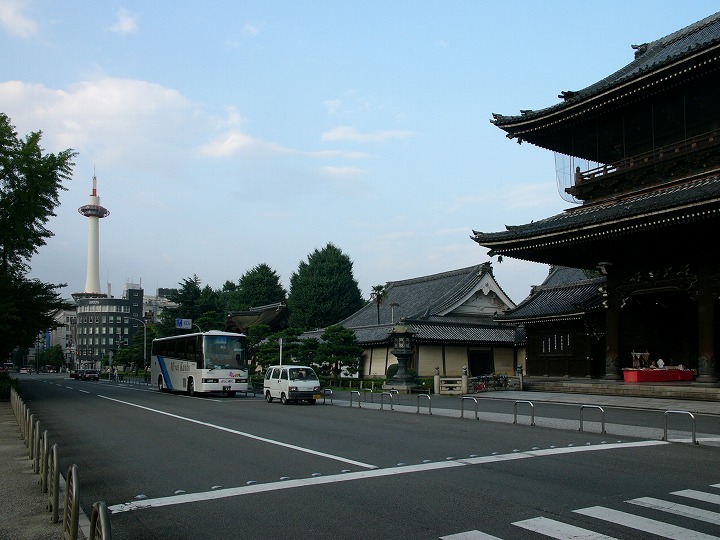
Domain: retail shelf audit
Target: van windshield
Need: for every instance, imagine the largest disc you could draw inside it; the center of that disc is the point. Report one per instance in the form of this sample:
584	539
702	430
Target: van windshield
302	374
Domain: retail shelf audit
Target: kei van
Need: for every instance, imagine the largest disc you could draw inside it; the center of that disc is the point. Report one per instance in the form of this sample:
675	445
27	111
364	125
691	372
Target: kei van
291	383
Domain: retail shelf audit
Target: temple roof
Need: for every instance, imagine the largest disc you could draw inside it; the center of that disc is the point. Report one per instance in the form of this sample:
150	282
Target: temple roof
458	306
650	58
567	293
671	205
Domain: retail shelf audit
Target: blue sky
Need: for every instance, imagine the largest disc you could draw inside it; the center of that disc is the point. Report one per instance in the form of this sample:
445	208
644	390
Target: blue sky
226	134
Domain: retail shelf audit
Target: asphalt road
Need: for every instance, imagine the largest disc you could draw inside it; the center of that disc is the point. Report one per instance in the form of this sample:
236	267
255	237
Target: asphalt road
172	466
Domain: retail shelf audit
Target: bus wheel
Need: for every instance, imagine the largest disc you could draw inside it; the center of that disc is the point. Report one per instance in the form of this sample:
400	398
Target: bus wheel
268	397
190	387
231	393
161	385
283	399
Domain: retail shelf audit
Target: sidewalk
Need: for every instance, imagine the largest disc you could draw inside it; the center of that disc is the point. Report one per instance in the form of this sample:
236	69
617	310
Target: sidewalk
23	504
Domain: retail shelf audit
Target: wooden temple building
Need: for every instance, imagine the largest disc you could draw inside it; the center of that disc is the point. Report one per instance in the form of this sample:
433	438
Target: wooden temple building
639	152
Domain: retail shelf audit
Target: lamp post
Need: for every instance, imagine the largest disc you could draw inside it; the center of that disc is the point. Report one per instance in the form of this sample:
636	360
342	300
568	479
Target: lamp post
401	335
144	340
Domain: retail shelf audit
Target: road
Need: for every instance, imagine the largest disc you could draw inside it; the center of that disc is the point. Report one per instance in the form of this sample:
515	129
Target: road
173	466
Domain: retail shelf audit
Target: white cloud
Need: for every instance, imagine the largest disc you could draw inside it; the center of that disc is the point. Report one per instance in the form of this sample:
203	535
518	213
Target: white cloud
348	133
343	172
332	105
236	142
126	23
14	21
251	29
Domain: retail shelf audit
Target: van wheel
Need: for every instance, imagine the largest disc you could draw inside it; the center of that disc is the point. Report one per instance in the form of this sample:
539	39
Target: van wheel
311	401
190	388
268	397
284	400
231	393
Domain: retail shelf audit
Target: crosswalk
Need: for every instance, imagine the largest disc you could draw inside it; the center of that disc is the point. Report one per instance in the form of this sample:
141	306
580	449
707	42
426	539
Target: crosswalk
659	527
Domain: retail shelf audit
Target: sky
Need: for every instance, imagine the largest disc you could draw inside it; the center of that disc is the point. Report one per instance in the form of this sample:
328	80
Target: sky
227	134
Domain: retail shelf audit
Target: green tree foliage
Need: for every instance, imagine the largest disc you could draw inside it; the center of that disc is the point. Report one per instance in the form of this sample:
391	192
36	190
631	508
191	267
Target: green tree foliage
259	286
30	184
323	291
294	351
338	350
201	304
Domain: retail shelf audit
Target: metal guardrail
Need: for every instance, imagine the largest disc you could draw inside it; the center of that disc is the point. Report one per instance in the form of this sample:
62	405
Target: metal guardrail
53	504
44	462
358	395
462	406
100	522
429	402
532	409
602	416
365	394
71	510
327	391
382	401
692	418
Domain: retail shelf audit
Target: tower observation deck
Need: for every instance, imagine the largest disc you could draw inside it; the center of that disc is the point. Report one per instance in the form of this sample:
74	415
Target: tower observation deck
94	212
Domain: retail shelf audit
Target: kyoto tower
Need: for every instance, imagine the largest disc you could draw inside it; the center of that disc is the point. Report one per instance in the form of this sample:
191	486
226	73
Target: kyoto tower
93	211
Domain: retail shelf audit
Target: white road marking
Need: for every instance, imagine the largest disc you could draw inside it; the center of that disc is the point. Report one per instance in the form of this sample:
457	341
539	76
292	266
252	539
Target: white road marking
559	530
84	391
699	495
470	535
244	434
362	475
659	528
678	509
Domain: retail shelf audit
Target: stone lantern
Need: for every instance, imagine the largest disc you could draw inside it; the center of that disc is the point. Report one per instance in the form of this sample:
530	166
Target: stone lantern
401	336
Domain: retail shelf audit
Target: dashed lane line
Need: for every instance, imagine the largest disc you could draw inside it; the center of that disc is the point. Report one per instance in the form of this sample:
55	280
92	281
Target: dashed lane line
364	475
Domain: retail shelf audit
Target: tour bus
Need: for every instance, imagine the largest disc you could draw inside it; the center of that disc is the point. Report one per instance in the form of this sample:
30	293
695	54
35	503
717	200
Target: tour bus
202	362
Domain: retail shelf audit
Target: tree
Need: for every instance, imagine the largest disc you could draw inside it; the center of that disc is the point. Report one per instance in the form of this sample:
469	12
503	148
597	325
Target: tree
323	291
201	304
259	286
339	351
378	295
30	184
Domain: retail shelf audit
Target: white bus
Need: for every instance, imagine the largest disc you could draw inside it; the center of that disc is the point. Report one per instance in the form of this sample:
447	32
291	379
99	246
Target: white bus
203	362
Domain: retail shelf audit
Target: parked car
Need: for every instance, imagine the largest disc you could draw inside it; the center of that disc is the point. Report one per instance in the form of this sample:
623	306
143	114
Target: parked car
90	375
25	370
291	383
75	374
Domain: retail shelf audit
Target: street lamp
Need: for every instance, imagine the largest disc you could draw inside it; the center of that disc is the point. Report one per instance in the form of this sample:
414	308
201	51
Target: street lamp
144	340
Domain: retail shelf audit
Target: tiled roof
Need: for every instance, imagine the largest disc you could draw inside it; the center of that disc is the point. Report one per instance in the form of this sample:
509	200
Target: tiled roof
655	204
419	297
648	58
566	293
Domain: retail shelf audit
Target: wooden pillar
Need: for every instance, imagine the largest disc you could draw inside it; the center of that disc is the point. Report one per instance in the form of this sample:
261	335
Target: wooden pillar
612	331
706	326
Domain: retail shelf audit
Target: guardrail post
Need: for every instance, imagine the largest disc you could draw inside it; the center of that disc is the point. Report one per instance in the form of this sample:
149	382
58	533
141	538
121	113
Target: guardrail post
358	395
532	409
29	434
382	401
602	416
36	447
54	483
462	406
71	511
44	463
327	391
429	402
100	522
692	418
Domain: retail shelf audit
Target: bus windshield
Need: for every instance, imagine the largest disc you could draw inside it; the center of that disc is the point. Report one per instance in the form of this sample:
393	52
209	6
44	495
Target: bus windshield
224	352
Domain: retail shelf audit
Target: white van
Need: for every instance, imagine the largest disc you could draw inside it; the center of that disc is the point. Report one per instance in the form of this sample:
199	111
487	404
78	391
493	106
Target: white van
291	383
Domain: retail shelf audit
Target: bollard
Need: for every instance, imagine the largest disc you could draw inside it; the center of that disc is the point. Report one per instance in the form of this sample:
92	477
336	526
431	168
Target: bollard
358	395
54	483
365	394
327	391
36	447
44	463
382	402
602	416
692	418
29	438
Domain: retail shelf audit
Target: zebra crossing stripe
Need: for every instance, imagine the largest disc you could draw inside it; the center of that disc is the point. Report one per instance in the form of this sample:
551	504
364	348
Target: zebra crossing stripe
699	495
707	516
470	535
559	530
664	530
